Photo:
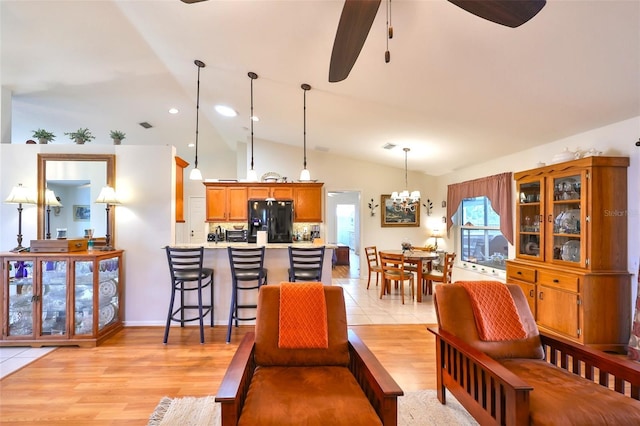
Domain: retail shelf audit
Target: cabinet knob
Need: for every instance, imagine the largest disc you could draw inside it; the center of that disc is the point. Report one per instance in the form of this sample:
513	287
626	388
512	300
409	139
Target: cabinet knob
556	281
519	272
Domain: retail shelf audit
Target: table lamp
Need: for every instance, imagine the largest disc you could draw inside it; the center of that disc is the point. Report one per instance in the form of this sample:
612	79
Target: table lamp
435	234
108	196
50	200
20	195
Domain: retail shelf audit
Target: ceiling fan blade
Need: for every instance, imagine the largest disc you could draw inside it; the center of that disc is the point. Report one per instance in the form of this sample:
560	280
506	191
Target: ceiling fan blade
191	1
511	13
353	28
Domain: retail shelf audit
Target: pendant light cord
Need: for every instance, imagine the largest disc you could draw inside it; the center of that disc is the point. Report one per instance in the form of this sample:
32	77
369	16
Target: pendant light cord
305	87
252	76
199	64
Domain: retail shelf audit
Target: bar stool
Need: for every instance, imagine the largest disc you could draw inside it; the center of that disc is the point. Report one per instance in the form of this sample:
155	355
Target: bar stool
305	263
247	265
188	275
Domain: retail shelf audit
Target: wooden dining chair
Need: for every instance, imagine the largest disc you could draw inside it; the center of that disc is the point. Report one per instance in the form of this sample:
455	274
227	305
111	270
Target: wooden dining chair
393	269
443	276
372	262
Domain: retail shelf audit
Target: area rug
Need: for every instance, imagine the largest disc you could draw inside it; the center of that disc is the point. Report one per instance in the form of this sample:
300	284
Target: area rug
420	408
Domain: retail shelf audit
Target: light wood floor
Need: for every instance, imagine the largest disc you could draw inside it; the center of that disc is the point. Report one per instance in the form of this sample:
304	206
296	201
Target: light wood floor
121	381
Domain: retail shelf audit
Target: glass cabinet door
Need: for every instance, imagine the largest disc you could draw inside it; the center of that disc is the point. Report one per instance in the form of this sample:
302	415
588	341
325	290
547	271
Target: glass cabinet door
83	297
53	306
108	286
21	294
530	216
567	219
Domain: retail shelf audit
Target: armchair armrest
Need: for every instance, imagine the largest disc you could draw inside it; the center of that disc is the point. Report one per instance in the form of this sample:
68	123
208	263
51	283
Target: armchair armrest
235	383
377	384
489	391
616	373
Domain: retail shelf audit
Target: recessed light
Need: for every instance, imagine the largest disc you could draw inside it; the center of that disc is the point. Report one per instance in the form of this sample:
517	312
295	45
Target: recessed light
173	110
255	118
191	145
225	111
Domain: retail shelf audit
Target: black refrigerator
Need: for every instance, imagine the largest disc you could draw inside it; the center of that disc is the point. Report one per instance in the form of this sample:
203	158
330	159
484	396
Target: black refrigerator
273	216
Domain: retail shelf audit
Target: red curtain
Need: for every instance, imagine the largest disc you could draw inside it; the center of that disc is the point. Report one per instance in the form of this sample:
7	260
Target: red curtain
496	188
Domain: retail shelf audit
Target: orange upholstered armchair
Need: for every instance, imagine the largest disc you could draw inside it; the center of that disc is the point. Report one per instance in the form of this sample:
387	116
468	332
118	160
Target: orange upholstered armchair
291	376
514	375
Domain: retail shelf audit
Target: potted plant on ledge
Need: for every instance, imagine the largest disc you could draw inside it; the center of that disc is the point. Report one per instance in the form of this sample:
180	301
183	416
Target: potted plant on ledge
81	136
43	136
117	136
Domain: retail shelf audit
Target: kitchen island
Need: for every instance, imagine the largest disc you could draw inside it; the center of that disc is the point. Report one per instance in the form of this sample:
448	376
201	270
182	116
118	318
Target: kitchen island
276	260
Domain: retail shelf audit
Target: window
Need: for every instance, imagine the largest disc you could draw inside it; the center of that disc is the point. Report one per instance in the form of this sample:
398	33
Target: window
481	241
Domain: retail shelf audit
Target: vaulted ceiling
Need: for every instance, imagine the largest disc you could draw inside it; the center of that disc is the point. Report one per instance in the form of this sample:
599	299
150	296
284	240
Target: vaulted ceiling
458	89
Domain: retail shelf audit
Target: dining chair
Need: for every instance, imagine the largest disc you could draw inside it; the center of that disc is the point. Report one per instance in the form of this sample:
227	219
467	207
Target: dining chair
373	264
393	269
443	276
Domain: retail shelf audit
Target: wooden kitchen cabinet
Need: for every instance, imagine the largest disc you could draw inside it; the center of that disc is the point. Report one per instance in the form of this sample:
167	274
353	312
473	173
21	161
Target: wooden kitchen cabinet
307	202
180	166
277	191
61	298
226	203
571	249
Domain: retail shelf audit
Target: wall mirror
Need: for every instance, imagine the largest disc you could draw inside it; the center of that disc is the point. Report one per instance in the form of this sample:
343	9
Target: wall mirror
76	180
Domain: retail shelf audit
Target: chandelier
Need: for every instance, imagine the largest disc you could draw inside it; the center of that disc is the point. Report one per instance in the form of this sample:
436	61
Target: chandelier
405	201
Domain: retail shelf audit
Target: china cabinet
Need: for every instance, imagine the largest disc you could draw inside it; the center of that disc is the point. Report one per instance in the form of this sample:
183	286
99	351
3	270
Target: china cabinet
571	249
61	298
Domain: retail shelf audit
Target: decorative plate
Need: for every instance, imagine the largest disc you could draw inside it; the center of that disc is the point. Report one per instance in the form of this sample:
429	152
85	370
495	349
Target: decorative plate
571	251
107	313
270	177
531	248
108	288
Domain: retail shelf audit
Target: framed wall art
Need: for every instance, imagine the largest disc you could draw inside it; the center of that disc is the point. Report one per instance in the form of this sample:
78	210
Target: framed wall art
81	213
397	214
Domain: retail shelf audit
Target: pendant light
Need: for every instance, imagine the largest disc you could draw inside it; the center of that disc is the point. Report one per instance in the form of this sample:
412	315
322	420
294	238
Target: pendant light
404	200
304	174
195	173
252	176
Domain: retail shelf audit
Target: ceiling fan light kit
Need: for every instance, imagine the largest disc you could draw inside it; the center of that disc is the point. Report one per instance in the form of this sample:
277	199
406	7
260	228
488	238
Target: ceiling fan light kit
195	173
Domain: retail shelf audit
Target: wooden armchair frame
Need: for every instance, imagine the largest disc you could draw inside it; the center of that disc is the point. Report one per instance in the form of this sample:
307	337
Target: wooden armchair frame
376	383
494	395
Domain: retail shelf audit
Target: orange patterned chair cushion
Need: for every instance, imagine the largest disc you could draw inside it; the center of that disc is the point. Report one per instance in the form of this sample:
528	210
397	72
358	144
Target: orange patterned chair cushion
494	310
303	316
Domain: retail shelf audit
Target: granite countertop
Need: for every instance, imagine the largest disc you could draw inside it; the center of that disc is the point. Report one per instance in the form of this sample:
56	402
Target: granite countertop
225	244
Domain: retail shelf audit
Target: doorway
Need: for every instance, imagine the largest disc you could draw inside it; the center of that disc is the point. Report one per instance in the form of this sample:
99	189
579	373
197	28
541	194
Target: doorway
343	225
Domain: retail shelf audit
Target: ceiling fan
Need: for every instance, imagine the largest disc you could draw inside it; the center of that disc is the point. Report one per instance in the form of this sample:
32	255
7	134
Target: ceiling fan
358	16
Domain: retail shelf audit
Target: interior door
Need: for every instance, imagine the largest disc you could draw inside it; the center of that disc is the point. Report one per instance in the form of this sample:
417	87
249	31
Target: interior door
198	228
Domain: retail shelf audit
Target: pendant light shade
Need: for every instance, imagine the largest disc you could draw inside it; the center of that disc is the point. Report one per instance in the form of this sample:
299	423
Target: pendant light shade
252	176
195	173
304	174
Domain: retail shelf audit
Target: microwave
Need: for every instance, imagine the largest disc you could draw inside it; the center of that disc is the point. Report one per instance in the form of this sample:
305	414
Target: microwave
236	235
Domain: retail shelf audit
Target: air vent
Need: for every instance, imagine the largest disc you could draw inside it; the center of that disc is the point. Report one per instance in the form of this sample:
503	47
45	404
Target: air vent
322	148
389	146
146	125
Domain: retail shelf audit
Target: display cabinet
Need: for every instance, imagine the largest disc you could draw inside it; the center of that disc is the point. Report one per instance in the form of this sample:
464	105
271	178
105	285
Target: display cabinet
571	249
61	298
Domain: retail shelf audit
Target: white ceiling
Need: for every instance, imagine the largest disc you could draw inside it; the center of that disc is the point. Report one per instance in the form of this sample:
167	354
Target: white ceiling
458	89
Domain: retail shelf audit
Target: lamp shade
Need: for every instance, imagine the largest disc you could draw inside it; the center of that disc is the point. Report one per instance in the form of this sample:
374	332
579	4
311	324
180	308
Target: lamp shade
21	195
107	196
50	199
195	174
305	175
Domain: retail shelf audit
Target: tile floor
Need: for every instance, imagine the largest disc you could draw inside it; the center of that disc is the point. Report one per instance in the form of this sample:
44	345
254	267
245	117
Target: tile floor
363	307
14	358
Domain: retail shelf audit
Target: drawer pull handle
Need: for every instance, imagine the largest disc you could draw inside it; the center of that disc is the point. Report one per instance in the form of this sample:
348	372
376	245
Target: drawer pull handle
519	272
530	293
540	296
550	218
556	281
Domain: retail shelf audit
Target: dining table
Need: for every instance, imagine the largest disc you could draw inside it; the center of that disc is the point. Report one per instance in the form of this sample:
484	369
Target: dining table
419	259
